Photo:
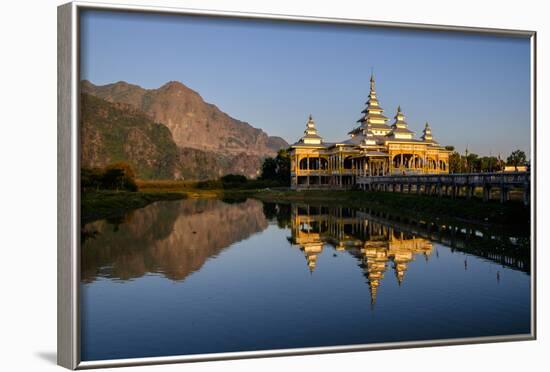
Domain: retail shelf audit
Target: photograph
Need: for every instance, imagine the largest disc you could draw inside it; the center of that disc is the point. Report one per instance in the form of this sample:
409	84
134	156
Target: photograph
255	184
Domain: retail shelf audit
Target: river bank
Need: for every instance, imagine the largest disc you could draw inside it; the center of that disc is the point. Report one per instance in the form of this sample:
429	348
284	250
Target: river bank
98	205
105	204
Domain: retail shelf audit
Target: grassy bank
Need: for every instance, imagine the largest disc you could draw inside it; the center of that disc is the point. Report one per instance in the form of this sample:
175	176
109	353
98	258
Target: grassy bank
474	210
97	205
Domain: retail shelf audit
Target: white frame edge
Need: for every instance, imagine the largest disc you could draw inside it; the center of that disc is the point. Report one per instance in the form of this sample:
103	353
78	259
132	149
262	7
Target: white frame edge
68	196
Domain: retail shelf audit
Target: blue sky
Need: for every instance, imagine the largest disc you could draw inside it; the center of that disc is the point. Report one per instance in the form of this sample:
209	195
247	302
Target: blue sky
473	90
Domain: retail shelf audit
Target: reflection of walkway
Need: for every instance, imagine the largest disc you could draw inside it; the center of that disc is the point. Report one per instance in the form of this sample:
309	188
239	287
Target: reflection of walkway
497	246
171	238
374	244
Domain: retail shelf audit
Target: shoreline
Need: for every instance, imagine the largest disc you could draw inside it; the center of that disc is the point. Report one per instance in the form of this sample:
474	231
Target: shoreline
110	204
99	205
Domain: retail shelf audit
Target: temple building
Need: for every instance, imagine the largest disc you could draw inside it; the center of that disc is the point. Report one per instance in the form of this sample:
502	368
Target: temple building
374	148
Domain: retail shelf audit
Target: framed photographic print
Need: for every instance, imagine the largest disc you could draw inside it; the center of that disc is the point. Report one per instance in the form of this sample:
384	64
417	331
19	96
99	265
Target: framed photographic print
235	185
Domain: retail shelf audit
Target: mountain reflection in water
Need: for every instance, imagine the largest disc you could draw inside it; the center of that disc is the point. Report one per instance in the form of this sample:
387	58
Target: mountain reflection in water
171	238
203	276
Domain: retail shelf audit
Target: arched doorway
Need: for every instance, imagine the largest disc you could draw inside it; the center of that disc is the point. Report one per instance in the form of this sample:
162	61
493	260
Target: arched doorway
348	164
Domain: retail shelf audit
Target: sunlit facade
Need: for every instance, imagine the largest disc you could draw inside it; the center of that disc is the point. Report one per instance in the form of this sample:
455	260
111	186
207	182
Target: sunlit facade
374	148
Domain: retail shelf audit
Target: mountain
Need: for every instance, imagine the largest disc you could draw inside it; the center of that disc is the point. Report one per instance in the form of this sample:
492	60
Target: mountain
112	132
198	128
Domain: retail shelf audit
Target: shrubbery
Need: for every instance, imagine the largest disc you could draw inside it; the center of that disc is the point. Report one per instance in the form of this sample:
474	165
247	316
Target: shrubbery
118	176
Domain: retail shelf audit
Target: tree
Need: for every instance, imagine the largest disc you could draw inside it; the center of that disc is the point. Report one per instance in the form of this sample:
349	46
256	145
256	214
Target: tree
120	176
489	164
455	163
233	180
516	159
277	168
91	178
472	163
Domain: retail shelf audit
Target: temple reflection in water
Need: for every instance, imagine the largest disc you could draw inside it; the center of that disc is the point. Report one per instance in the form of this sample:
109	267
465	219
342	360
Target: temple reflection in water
375	245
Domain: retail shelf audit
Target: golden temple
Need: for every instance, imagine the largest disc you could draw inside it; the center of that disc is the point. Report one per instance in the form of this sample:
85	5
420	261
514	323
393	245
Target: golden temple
373	149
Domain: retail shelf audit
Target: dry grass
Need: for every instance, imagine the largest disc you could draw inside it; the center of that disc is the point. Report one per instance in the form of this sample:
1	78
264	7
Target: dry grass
165	185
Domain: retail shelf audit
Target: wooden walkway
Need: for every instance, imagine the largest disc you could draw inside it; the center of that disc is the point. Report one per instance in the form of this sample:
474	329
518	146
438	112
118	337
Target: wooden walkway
452	185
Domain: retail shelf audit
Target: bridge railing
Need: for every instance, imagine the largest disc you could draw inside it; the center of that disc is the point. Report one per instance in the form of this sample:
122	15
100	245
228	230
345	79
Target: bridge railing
474	179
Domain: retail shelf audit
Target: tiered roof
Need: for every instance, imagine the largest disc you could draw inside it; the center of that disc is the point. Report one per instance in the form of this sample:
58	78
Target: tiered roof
373	121
427	134
400	128
373	129
310	134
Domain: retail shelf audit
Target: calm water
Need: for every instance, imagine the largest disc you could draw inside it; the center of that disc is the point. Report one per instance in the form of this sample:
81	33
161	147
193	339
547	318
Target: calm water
206	276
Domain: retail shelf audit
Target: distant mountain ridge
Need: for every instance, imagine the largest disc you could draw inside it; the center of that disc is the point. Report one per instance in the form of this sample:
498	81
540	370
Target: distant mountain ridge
200	130
193	122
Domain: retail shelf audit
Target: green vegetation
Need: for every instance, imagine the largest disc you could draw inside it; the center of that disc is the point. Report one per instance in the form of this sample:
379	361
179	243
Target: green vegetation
110	192
517	158
277	169
97	205
118	176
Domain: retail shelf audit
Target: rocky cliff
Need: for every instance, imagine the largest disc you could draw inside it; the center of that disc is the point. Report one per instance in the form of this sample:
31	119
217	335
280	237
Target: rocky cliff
199	129
113	132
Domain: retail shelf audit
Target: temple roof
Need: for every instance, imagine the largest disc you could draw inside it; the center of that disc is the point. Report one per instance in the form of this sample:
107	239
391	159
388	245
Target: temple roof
372	130
310	134
372	116
401	130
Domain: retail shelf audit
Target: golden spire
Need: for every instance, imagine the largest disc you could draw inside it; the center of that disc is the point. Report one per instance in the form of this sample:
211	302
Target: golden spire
373	121
399	127
310	134
427	134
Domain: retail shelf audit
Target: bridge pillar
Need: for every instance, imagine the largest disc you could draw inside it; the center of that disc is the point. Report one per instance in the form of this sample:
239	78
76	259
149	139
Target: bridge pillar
469	191
439	189
409	187
486	193
454	191
504	192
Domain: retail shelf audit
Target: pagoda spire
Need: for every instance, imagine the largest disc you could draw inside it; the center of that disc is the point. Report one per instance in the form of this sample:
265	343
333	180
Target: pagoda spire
400	127
311	137
427	134
373	119
372	80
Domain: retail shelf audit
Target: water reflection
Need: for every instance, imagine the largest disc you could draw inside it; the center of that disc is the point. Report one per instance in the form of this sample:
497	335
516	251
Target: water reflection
372	243
377	240
170	238
176	238
206	276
